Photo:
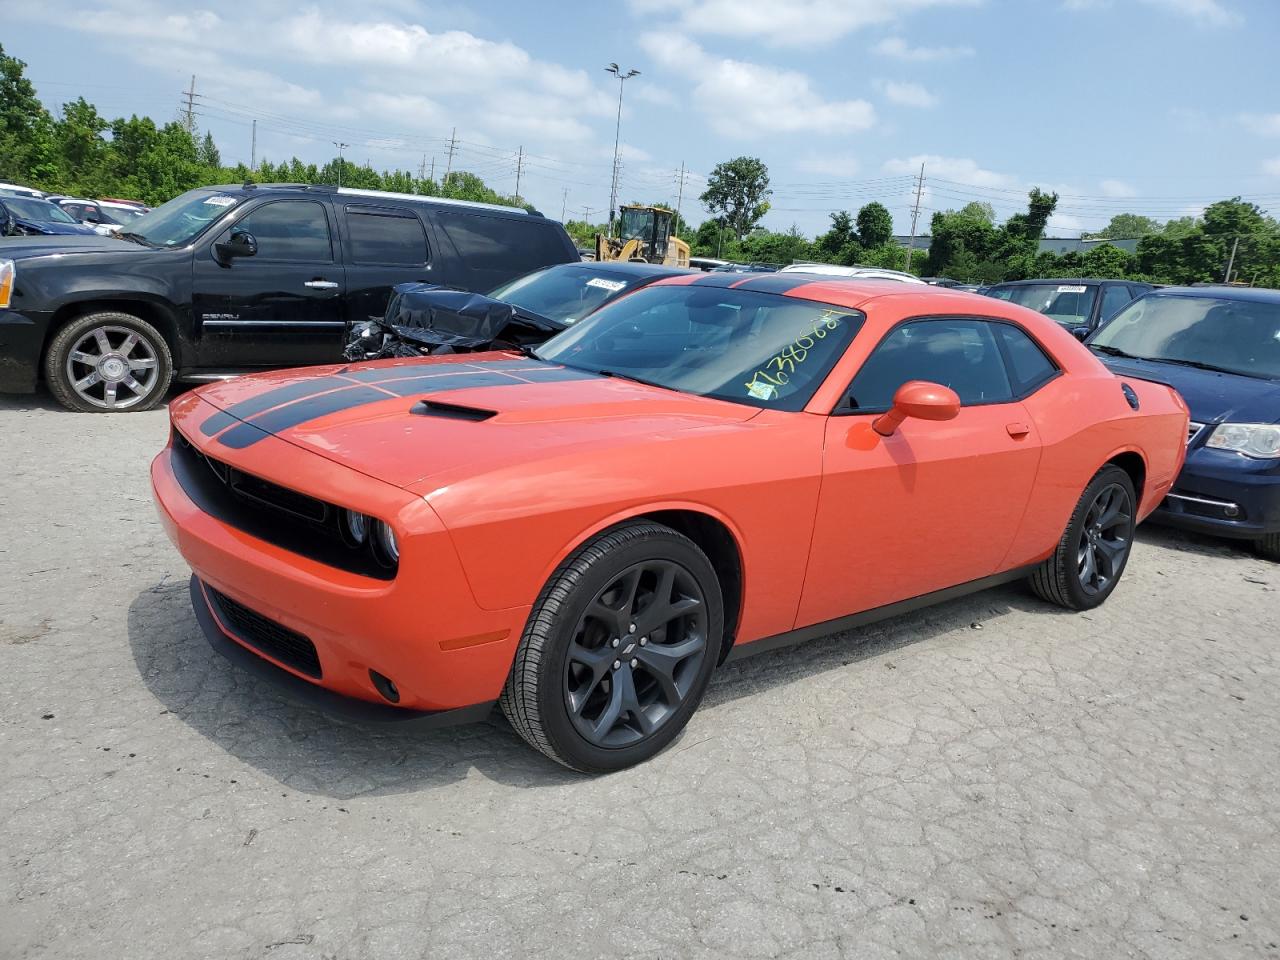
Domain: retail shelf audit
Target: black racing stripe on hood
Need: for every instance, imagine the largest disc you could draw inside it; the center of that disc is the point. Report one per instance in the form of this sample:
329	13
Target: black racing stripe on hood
301	411
272	398
775	282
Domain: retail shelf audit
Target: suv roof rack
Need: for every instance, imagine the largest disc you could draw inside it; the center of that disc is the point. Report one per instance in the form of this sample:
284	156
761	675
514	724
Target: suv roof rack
425	198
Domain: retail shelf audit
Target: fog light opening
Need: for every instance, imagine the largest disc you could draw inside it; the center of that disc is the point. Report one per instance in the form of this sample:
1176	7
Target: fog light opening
385	686
1231	510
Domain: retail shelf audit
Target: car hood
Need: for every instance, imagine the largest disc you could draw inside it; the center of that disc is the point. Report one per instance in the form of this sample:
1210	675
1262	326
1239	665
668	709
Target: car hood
52	228
428	421
1211	396
17	248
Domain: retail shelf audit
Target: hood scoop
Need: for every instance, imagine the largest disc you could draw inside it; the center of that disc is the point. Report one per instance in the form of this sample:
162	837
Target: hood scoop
451	411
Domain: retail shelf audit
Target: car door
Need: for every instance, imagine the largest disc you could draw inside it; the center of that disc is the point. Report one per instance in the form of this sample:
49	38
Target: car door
283	306
384	245
935	504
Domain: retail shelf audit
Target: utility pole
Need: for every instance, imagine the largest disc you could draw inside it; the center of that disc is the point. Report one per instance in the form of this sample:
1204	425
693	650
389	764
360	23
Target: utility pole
519	170
422	168
617	138
190	120
1232	261
915	212
564	203
679	196
586	215
253	149
448	167
432	174
341	146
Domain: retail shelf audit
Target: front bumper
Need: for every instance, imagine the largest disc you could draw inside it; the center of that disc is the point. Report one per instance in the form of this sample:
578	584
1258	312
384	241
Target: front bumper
422	630
293	688
21	343
1224	494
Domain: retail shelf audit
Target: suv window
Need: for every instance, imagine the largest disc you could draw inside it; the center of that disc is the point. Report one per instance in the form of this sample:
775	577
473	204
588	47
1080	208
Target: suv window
512	245
1114	296
377	235
289	230
1029	367
960	354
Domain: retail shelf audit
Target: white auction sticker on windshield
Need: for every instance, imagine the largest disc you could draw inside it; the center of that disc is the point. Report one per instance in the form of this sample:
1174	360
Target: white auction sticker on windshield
613	286
220	201
1072	289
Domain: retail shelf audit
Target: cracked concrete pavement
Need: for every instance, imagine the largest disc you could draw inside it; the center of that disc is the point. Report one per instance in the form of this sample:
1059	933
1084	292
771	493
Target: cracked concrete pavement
987	778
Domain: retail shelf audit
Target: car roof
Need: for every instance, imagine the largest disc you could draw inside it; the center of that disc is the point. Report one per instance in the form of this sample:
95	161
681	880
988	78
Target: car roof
250	188
1221	292
1063	280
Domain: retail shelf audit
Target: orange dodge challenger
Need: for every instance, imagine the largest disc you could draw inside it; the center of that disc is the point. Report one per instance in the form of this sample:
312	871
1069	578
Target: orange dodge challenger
709	467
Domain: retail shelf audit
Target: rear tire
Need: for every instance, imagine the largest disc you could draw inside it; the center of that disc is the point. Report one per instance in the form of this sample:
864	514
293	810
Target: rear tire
618	649
1091	556
108	362
1268	546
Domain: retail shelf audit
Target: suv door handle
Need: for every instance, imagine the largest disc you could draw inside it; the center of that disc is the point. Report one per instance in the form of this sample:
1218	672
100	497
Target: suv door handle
321	285
1018	430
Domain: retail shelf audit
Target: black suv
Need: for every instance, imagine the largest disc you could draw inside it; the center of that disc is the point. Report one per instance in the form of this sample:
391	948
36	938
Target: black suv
1080	305
223	280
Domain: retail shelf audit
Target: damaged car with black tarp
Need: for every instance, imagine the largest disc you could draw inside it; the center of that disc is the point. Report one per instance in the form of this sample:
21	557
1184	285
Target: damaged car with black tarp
424	318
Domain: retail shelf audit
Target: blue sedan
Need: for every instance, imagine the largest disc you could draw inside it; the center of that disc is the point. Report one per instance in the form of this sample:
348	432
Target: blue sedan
27	216
1220	348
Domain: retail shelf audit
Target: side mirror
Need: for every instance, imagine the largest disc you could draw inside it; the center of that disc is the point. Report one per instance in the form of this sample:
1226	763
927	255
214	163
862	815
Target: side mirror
7	226
1080	332
241	243
920	399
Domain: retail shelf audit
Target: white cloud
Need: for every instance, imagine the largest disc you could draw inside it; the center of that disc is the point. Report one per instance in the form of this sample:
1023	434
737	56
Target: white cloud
1212	12
1263	124
958	169
793	23
743	99
899	49
906	94
1064	225
1271	167
1117	188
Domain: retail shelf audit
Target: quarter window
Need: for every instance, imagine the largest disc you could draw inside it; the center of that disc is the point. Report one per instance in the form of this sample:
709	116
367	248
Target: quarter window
1029	368
1114	297
379	236
513	245
960	354
290	230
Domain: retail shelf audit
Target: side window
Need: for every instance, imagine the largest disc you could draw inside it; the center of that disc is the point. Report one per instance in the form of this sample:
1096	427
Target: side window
377	235
290	230
513	244
1114	296
1029	368
960	354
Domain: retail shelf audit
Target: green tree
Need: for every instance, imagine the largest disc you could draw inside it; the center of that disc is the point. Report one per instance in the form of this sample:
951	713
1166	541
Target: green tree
1127	226
28	152
875	225
980	210
840	243
207	153
738	191
1108	261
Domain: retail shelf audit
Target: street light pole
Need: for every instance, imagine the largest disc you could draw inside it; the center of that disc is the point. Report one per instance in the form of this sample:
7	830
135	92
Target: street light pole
341	146
617	138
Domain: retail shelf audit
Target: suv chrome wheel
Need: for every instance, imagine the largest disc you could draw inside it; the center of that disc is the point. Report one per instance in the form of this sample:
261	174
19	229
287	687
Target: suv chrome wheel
112	367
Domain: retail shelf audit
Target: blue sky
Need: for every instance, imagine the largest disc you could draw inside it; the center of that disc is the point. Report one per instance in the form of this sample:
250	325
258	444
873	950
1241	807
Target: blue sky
1146	106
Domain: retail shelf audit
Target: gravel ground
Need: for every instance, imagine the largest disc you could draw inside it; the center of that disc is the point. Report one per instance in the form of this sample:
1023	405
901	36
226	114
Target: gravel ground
988	778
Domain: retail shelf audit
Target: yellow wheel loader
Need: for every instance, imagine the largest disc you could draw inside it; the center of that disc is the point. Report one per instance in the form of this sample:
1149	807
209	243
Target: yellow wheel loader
644	236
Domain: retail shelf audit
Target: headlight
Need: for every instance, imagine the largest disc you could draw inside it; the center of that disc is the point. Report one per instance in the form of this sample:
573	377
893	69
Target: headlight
1260	440
385	541
355	526
7	271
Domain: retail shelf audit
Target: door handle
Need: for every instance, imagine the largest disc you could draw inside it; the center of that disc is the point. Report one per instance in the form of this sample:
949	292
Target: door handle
1018	430
321	285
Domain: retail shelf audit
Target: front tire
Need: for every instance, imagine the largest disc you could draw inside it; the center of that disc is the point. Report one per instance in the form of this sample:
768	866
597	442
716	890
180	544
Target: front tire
1268	546
108	362
618	650
1089	559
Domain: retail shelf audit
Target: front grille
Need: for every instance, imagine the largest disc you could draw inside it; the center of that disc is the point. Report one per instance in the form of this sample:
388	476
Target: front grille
265	635
291	520
1193	430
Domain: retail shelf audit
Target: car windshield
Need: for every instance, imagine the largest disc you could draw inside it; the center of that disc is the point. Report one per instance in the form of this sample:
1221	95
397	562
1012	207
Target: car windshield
635	223
39	210
758	349
565	293
121	214
1239	336
1071	304
182	219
